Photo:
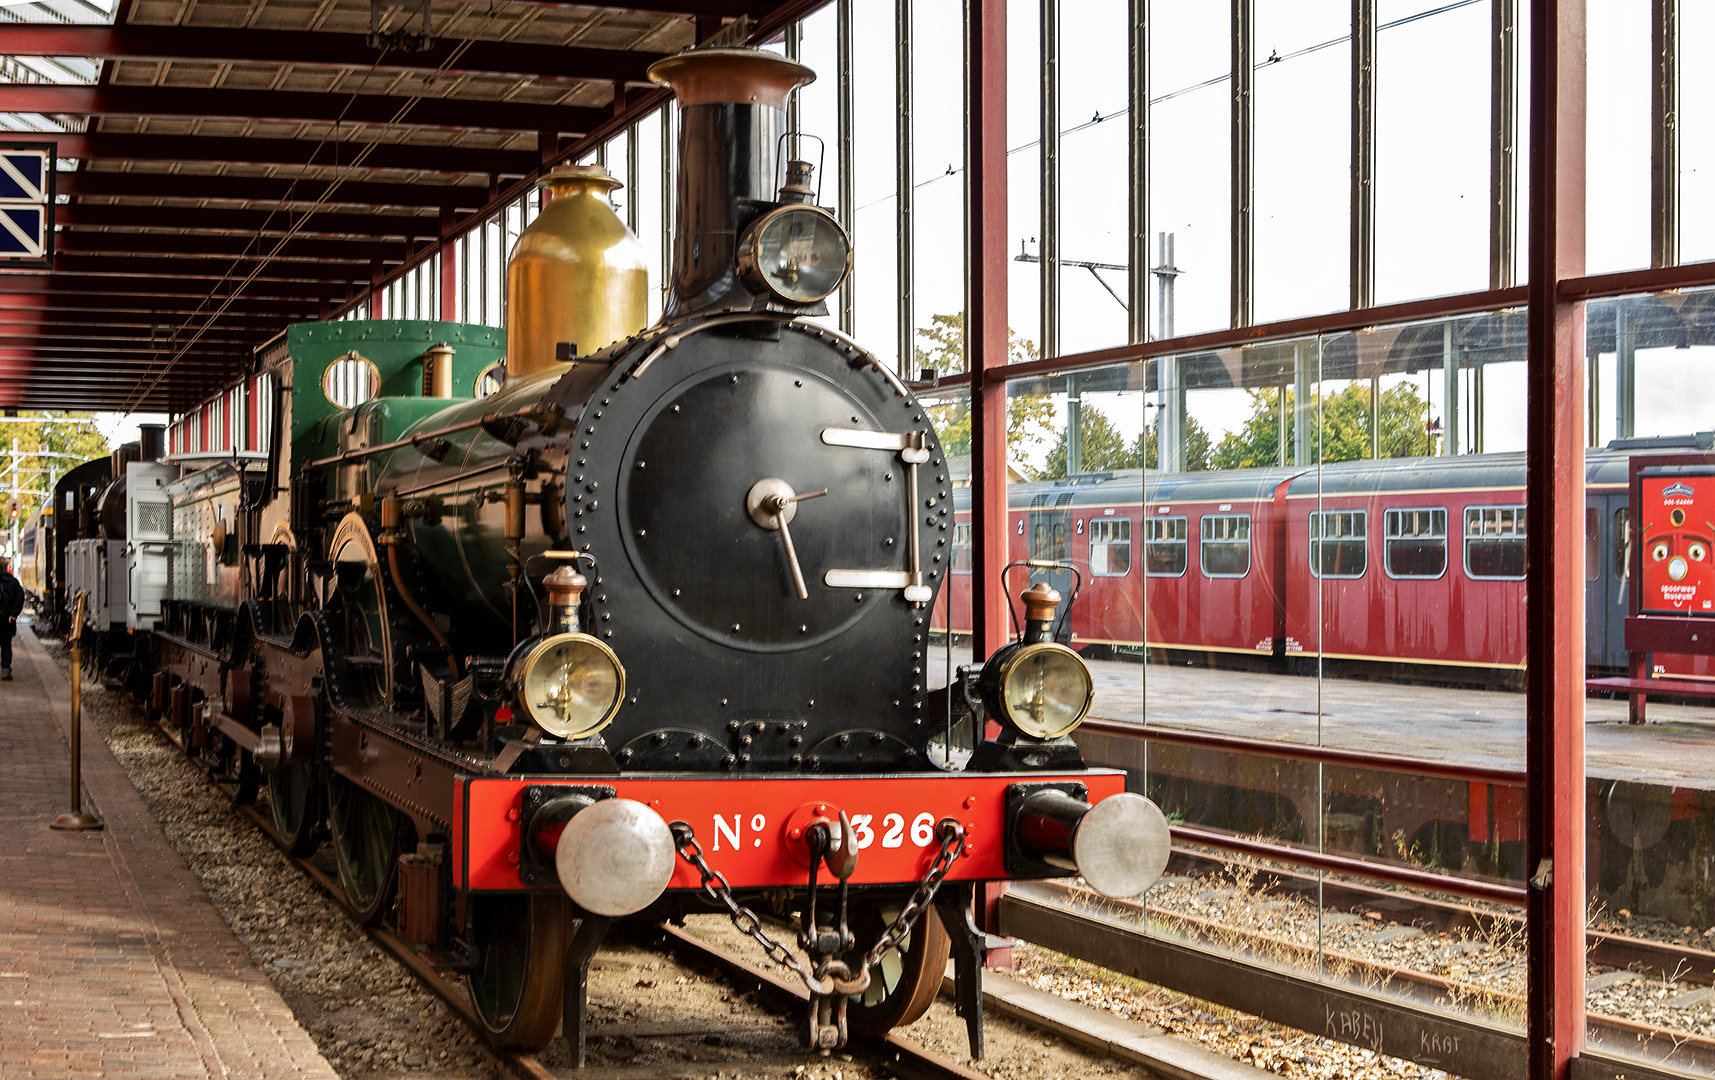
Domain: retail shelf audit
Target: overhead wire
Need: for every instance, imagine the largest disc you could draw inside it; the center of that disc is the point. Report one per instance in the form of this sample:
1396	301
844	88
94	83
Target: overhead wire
1216	80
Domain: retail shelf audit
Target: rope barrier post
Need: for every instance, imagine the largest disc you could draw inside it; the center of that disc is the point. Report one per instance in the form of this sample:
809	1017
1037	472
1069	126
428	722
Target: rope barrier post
77	819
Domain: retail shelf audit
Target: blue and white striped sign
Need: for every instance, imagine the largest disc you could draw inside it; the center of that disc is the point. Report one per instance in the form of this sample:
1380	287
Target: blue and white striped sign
26	204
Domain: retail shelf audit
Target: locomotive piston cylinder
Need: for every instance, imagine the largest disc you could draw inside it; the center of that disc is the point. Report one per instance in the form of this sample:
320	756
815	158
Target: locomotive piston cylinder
1120	845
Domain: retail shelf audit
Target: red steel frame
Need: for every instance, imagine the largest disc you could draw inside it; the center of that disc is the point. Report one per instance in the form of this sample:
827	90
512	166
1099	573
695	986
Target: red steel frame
1554	548
1554	492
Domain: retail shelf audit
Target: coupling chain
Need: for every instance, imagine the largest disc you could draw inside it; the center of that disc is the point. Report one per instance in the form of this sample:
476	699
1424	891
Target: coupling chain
831	977
952	836
716	888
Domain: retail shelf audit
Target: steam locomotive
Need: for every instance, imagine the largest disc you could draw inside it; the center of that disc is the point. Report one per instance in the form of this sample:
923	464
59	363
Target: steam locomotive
639	633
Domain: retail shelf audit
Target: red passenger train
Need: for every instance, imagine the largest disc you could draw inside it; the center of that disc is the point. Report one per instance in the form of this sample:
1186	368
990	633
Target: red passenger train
1415	563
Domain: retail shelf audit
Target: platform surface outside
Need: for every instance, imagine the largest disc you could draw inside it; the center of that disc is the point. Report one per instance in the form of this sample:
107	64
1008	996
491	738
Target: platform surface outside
112	960
1477	727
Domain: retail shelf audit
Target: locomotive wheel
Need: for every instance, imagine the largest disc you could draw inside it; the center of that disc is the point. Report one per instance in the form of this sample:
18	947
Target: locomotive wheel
296	800
366	846
906	981
521	942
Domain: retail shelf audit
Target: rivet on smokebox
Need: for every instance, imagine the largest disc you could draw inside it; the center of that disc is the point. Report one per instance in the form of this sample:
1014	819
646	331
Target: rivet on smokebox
512	814
512	857
970	801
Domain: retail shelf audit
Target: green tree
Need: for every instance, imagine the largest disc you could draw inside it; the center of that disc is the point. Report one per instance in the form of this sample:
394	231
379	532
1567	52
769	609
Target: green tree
46	433
1030	417
1197	446
1340	433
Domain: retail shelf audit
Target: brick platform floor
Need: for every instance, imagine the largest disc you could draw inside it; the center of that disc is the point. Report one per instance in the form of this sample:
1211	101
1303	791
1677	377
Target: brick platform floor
112	961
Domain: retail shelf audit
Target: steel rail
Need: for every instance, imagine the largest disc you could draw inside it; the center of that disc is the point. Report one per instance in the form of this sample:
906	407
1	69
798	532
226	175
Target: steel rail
1493	891
1315	755
1604	946
525	1066
902	1057
1097	940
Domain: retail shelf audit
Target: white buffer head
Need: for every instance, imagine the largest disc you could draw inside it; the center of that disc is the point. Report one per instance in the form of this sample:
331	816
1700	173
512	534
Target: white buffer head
1121	845
615	858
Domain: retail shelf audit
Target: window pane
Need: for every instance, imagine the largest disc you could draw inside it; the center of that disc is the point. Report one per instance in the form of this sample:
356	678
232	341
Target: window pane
875	277
1617	135
1303	157
1432	150
1094	167
1189	184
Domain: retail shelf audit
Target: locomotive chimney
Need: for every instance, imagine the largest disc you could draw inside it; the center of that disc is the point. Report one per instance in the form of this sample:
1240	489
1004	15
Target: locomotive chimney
732	109
153	440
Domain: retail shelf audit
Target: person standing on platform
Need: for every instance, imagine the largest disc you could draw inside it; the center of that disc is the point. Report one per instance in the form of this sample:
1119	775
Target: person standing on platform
11	606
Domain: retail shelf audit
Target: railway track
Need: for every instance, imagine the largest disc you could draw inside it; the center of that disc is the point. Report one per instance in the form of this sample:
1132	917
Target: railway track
1609	949
900	1056
1688	1048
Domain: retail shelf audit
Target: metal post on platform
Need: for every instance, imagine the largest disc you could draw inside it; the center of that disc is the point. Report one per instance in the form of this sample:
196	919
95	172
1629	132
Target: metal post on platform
77	819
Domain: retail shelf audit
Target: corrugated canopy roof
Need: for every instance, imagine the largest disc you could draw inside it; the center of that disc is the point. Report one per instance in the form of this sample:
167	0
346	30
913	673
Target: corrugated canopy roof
231	167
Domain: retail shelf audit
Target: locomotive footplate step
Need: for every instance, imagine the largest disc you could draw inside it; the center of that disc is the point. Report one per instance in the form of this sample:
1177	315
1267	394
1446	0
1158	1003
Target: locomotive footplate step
113	959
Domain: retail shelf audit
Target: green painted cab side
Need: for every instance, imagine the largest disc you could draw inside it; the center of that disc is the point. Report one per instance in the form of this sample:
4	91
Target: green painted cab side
395	347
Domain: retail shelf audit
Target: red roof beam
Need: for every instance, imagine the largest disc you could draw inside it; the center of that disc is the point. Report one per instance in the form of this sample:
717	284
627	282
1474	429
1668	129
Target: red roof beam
321	222
305	48
148	146
199	102
305	193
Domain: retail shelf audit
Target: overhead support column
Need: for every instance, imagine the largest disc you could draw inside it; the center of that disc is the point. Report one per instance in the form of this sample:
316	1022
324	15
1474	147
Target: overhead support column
1243	163
847	179
1303	406
1503	143
1625	372
449	267
1137	192
902	182
1664	133
1554	548
1363	209
1450	390
1048	227
986	340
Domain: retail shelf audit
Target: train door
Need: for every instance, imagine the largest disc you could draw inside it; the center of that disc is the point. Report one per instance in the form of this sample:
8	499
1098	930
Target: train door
1596	581
1050	528
1616	577
149	561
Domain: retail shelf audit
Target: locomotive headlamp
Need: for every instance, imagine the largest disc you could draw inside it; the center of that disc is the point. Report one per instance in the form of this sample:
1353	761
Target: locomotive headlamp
1042	688
570	685
799	253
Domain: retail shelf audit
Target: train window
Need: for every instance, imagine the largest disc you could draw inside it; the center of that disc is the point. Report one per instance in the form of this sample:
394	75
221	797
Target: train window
1164	546
1224	548
350	381
1339	543
1048	539
1592	545
961	547
1622	544
490	380
1110	546
1414	543
1494	542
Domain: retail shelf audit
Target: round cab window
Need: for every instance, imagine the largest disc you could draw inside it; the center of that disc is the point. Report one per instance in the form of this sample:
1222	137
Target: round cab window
350	381
493	377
